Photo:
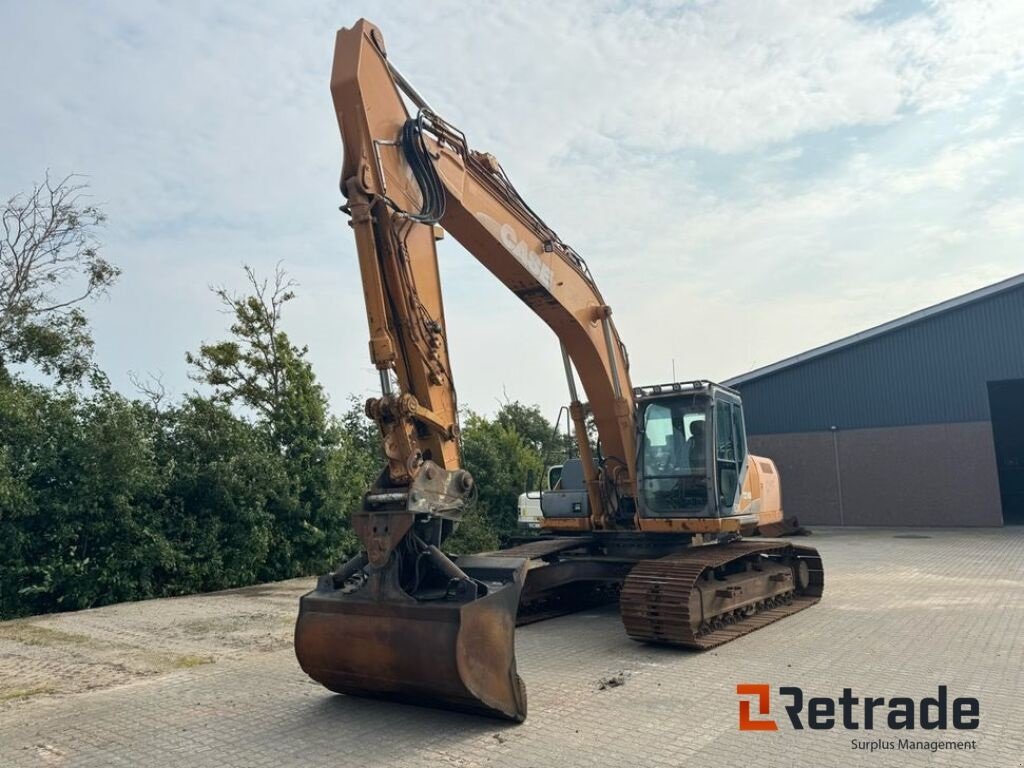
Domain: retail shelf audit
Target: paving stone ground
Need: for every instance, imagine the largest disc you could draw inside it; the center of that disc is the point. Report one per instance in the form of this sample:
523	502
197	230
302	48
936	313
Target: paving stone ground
211	680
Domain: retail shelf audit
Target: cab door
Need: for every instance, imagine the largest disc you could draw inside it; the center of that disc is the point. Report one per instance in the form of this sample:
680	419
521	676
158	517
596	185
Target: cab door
730	453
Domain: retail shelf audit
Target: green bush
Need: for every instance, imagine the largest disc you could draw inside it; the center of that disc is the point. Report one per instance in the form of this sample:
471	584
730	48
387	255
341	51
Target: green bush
80	520
106	499
103	500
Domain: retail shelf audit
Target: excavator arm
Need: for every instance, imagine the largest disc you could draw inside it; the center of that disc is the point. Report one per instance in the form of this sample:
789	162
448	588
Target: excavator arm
407	179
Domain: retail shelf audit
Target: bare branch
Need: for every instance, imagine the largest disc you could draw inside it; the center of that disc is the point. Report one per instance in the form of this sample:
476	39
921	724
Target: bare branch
151	386
49	266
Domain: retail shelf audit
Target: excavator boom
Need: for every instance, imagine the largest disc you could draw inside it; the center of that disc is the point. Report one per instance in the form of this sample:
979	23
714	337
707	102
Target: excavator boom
406	176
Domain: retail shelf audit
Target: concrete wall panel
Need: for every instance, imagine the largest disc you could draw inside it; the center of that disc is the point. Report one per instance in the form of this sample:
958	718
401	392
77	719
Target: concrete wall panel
807	468
931	474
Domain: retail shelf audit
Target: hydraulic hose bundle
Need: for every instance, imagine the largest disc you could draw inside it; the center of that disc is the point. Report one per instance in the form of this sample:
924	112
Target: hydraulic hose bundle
418	157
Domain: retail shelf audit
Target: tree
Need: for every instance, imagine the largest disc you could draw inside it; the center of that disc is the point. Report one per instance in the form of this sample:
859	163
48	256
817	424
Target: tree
49	267
103	500
474	534
260	368
500	460
223	483
551	445
80	502
359	458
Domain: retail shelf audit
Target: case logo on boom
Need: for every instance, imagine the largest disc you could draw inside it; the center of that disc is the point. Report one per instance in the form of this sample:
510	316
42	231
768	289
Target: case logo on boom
532	260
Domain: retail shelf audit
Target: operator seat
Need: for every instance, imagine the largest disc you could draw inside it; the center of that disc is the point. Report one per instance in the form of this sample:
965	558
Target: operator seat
695	445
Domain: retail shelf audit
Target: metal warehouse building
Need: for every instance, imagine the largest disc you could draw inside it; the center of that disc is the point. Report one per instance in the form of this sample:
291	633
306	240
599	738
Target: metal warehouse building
919	421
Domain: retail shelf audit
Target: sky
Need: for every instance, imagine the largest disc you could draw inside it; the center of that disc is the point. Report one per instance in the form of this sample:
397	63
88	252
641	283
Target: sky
746	179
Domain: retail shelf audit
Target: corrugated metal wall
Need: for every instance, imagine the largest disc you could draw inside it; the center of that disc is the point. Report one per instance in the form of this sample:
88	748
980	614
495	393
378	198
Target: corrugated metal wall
929	372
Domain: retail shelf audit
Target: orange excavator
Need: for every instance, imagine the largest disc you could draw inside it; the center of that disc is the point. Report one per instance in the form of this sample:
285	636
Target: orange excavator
658	514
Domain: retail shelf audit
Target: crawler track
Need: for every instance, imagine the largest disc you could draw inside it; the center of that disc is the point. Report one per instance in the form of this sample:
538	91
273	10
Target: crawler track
658	602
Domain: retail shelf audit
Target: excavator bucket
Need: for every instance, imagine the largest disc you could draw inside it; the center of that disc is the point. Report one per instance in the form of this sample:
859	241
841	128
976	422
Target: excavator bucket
377	641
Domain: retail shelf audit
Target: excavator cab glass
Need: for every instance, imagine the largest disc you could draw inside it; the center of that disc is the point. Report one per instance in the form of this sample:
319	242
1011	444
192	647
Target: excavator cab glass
692	451
730	451
674	456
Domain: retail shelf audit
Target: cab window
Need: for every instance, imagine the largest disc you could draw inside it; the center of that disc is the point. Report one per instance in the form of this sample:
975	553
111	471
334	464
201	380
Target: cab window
674	462
724	442
739	433
726	453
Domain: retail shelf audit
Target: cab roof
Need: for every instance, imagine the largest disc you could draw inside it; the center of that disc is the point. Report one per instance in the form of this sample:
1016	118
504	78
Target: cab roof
696	387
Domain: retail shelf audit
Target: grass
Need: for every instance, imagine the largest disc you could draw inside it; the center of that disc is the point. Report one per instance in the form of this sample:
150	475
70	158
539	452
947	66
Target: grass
12	694
187	662
199	627
28	633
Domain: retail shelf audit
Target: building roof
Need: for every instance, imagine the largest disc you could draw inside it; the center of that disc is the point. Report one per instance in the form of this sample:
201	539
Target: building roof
878	330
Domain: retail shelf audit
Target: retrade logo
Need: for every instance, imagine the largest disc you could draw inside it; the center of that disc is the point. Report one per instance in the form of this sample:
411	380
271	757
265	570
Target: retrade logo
849	712
763	696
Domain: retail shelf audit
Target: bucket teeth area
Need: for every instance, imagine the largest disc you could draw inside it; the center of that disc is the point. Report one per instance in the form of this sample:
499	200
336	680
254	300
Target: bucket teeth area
440	653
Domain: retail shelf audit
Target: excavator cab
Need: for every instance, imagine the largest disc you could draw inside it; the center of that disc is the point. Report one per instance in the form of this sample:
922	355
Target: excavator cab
692	450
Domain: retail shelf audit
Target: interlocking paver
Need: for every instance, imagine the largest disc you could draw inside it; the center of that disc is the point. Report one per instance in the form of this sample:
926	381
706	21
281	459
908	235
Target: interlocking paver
899	617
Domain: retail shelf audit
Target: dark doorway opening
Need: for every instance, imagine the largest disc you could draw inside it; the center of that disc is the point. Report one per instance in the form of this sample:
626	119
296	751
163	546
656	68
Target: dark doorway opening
1006	404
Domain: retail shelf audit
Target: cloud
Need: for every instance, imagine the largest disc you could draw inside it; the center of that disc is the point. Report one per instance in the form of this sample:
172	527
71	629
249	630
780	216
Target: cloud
746	179
1006	216
958	48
